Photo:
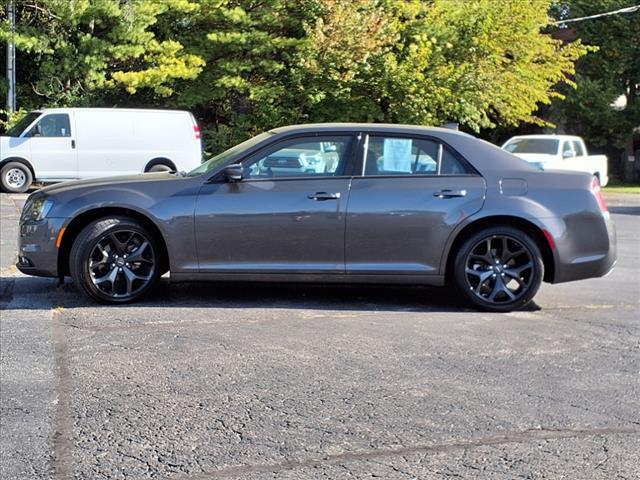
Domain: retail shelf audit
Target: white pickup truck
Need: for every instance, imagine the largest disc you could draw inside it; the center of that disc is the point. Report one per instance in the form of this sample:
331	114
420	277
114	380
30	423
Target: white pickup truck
559	152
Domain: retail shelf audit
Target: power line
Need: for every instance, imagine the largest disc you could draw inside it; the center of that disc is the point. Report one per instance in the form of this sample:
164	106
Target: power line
635	8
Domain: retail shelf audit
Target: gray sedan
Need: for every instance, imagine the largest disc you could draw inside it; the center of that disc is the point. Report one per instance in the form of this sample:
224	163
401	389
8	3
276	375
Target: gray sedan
388	204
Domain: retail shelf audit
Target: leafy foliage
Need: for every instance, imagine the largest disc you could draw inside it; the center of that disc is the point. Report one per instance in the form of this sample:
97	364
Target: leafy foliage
607	72
244	66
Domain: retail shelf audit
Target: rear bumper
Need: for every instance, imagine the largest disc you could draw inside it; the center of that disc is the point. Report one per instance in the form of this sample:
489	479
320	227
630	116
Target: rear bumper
587	249
37	251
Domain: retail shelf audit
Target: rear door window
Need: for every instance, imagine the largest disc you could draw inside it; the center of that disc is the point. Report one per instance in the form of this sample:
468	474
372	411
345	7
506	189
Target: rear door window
411	156
577	147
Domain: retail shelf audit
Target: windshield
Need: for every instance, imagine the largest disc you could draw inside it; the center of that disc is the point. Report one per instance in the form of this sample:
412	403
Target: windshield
214	162
19	127
532	145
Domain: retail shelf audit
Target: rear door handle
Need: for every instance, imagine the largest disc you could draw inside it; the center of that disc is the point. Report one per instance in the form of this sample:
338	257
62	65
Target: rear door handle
448	193
322	196
73	144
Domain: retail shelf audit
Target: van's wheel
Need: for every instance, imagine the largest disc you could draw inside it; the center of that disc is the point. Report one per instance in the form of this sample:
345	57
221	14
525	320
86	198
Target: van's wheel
15	177
160	167
114	260
498	269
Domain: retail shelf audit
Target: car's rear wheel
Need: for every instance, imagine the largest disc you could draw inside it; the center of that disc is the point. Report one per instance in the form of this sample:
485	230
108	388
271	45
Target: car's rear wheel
114	260
15	177
498	269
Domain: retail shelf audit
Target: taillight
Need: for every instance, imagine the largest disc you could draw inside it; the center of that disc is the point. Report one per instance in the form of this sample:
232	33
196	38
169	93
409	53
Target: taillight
196	130
595	188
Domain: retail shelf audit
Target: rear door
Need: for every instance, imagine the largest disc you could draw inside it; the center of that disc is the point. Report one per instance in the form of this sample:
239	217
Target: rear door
287	215
410	195
53	147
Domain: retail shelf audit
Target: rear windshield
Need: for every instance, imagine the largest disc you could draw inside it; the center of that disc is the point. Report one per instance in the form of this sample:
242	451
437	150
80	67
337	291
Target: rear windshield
532	145
19	127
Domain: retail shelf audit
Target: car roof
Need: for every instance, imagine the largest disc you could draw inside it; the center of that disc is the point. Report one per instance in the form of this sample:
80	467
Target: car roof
367	127
552	136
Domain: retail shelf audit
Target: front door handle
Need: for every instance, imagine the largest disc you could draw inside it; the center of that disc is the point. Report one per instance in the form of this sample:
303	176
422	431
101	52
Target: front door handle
322	196
73	144
448	193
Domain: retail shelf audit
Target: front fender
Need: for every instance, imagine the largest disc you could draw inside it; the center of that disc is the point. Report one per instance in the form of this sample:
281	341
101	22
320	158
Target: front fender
169	206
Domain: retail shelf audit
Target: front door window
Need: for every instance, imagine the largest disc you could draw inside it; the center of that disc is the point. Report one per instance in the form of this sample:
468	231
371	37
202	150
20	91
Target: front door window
53	125
301	157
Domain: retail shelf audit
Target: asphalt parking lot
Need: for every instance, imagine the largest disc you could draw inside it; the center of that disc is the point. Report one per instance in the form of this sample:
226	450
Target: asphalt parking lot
303	382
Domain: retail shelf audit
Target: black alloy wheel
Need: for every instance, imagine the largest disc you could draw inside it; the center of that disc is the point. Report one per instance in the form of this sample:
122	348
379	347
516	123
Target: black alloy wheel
114	260
499	269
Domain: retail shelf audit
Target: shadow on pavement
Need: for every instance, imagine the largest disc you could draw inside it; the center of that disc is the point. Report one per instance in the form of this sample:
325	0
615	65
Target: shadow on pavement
625	210
27	293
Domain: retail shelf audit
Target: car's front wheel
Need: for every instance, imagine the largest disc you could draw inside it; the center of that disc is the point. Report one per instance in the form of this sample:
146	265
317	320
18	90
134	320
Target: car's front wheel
498	269
114	260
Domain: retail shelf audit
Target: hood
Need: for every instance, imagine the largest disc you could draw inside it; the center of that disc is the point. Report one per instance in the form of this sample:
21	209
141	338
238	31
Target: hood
108	181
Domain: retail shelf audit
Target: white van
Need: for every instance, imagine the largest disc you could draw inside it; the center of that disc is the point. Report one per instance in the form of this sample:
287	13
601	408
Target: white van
58	144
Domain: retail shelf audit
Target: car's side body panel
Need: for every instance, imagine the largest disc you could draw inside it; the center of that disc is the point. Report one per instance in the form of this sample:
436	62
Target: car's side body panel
272	226
410	207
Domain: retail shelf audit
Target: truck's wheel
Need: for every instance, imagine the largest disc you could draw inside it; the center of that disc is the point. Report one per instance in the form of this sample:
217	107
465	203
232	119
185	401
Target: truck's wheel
15	177
114	260
160	167
498	269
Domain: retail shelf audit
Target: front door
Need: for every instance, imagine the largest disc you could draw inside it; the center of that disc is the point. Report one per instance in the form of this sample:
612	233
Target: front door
402	209
287	214
53	152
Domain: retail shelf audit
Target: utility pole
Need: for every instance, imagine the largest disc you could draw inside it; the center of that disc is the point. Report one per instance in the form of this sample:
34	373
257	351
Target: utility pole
11	58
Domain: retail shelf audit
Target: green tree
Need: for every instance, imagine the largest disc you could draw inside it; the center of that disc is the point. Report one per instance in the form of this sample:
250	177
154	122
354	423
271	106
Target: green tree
70	52
609	71
244	66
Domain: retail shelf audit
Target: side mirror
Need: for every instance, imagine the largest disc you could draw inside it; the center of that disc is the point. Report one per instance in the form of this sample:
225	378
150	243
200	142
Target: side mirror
568	154
234	172
37	130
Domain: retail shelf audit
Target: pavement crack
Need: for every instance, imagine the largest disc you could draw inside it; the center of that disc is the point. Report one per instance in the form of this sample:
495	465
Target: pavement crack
62	423
515	437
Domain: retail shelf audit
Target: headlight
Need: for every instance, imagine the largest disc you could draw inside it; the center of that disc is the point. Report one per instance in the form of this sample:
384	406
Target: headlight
37	209
310	159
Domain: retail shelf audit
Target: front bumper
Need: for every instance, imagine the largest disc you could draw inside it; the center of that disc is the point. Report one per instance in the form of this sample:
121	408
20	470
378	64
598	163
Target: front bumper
37	251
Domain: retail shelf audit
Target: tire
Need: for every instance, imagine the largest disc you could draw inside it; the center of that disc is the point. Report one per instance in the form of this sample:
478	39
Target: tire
114	260
496	278
15	177
160	167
